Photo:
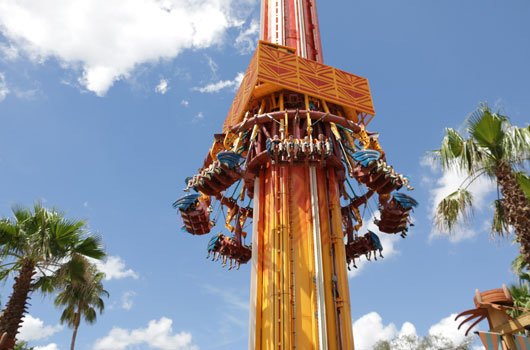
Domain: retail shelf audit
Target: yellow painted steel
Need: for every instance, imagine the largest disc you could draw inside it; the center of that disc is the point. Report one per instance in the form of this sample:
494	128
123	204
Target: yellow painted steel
287	300
343	292
272	69
325	229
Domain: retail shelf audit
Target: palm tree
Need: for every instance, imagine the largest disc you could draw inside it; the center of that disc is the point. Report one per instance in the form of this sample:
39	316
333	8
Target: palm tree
495	149
81	297
520	292
39	241
22	345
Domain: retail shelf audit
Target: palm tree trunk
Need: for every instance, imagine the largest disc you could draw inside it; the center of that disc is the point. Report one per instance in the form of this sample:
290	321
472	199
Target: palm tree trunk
11	317
77	321
516	207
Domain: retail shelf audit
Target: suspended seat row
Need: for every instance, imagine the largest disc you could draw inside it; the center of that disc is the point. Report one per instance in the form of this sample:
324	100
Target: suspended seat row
219	175
230	250
395	214
195	211
299	149
376	174
363	245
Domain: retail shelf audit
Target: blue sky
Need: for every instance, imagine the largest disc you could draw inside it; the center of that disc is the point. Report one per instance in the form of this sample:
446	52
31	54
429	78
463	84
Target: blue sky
105	107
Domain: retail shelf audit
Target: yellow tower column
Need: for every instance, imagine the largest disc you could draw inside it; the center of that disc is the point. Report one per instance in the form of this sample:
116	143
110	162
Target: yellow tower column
299	297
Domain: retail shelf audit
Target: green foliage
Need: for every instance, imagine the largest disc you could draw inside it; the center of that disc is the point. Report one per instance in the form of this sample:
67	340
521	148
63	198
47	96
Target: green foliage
22	345
499	225
45	239
80	296
520	292
521	298
430	342
486	129
518	265
489	141
457	205
382	345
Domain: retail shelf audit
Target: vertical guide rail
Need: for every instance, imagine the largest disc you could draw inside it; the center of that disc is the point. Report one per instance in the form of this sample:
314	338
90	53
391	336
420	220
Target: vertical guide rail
319	273
254	269
286	258
274	290
301	28
343	299
277	253
292	280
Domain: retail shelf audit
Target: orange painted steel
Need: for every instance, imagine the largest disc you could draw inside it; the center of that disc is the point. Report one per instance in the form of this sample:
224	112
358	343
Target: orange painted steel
300	126
287	310
281	69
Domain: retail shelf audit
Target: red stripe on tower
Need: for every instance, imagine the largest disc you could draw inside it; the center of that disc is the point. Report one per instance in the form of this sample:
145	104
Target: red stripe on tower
292	23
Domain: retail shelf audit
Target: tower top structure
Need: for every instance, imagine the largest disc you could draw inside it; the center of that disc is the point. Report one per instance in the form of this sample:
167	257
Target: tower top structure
295	131
292	23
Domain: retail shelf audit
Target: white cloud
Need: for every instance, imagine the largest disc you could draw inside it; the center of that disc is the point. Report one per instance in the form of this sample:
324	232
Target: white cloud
232	310
230	298
157	335
211	63
9	52
108	40
126	300
369	329
388	242
448	328
34	329
448	182
162	87
51	346
199	116
247	39
408	329
223	84
427	161
3	87
29	94
185	103
114	268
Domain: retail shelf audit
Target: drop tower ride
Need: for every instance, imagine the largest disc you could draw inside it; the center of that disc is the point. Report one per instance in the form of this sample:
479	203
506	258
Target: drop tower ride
294	134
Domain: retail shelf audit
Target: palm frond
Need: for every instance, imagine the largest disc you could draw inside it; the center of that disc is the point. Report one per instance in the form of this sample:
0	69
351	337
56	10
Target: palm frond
92	247
67	230
487	129
82	294
518	265
456	206
68	315
499	226
516	144
472	157
450	150
90	315
521	298
21	213
99	304
524	276
4	273
45	284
